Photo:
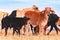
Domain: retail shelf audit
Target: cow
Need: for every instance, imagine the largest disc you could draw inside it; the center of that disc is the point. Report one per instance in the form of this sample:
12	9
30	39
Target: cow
6	23
15	23
52	20
2	15
18	23
13	14
34	16
38	19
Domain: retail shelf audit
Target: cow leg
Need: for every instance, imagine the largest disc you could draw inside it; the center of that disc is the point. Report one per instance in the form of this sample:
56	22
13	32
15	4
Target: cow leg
56	29
33	30
14	31
36	30
50	30
41	30
19	32
24	30
6	31
45	29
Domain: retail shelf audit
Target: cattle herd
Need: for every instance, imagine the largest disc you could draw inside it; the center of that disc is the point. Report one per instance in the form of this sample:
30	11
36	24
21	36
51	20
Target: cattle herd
33	20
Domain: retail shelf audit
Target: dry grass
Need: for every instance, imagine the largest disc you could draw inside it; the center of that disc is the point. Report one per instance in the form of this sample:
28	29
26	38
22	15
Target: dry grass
52	36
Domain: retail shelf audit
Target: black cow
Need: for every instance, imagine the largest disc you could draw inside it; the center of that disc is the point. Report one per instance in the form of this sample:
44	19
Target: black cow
53	18
7	21
15	23
10	17
18	23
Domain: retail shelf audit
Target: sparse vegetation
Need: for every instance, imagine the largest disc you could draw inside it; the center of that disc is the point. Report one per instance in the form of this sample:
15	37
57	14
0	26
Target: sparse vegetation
52	36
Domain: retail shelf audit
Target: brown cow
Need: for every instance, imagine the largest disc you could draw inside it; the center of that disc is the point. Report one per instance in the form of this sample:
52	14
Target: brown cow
37	18
34	16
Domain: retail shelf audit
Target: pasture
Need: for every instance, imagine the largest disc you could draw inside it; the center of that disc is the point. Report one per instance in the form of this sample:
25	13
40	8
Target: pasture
9	36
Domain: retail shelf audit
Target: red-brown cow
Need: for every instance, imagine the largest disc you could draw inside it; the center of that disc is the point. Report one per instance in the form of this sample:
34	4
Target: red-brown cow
37	18
34	16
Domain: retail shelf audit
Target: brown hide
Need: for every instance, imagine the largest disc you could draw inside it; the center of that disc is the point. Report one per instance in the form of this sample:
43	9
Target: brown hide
42	22
33	15
37	18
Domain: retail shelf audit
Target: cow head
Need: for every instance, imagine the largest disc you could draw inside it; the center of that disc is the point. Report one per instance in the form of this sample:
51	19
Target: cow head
48	10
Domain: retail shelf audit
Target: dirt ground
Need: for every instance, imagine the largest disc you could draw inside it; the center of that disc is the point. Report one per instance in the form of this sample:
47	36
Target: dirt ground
52	36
